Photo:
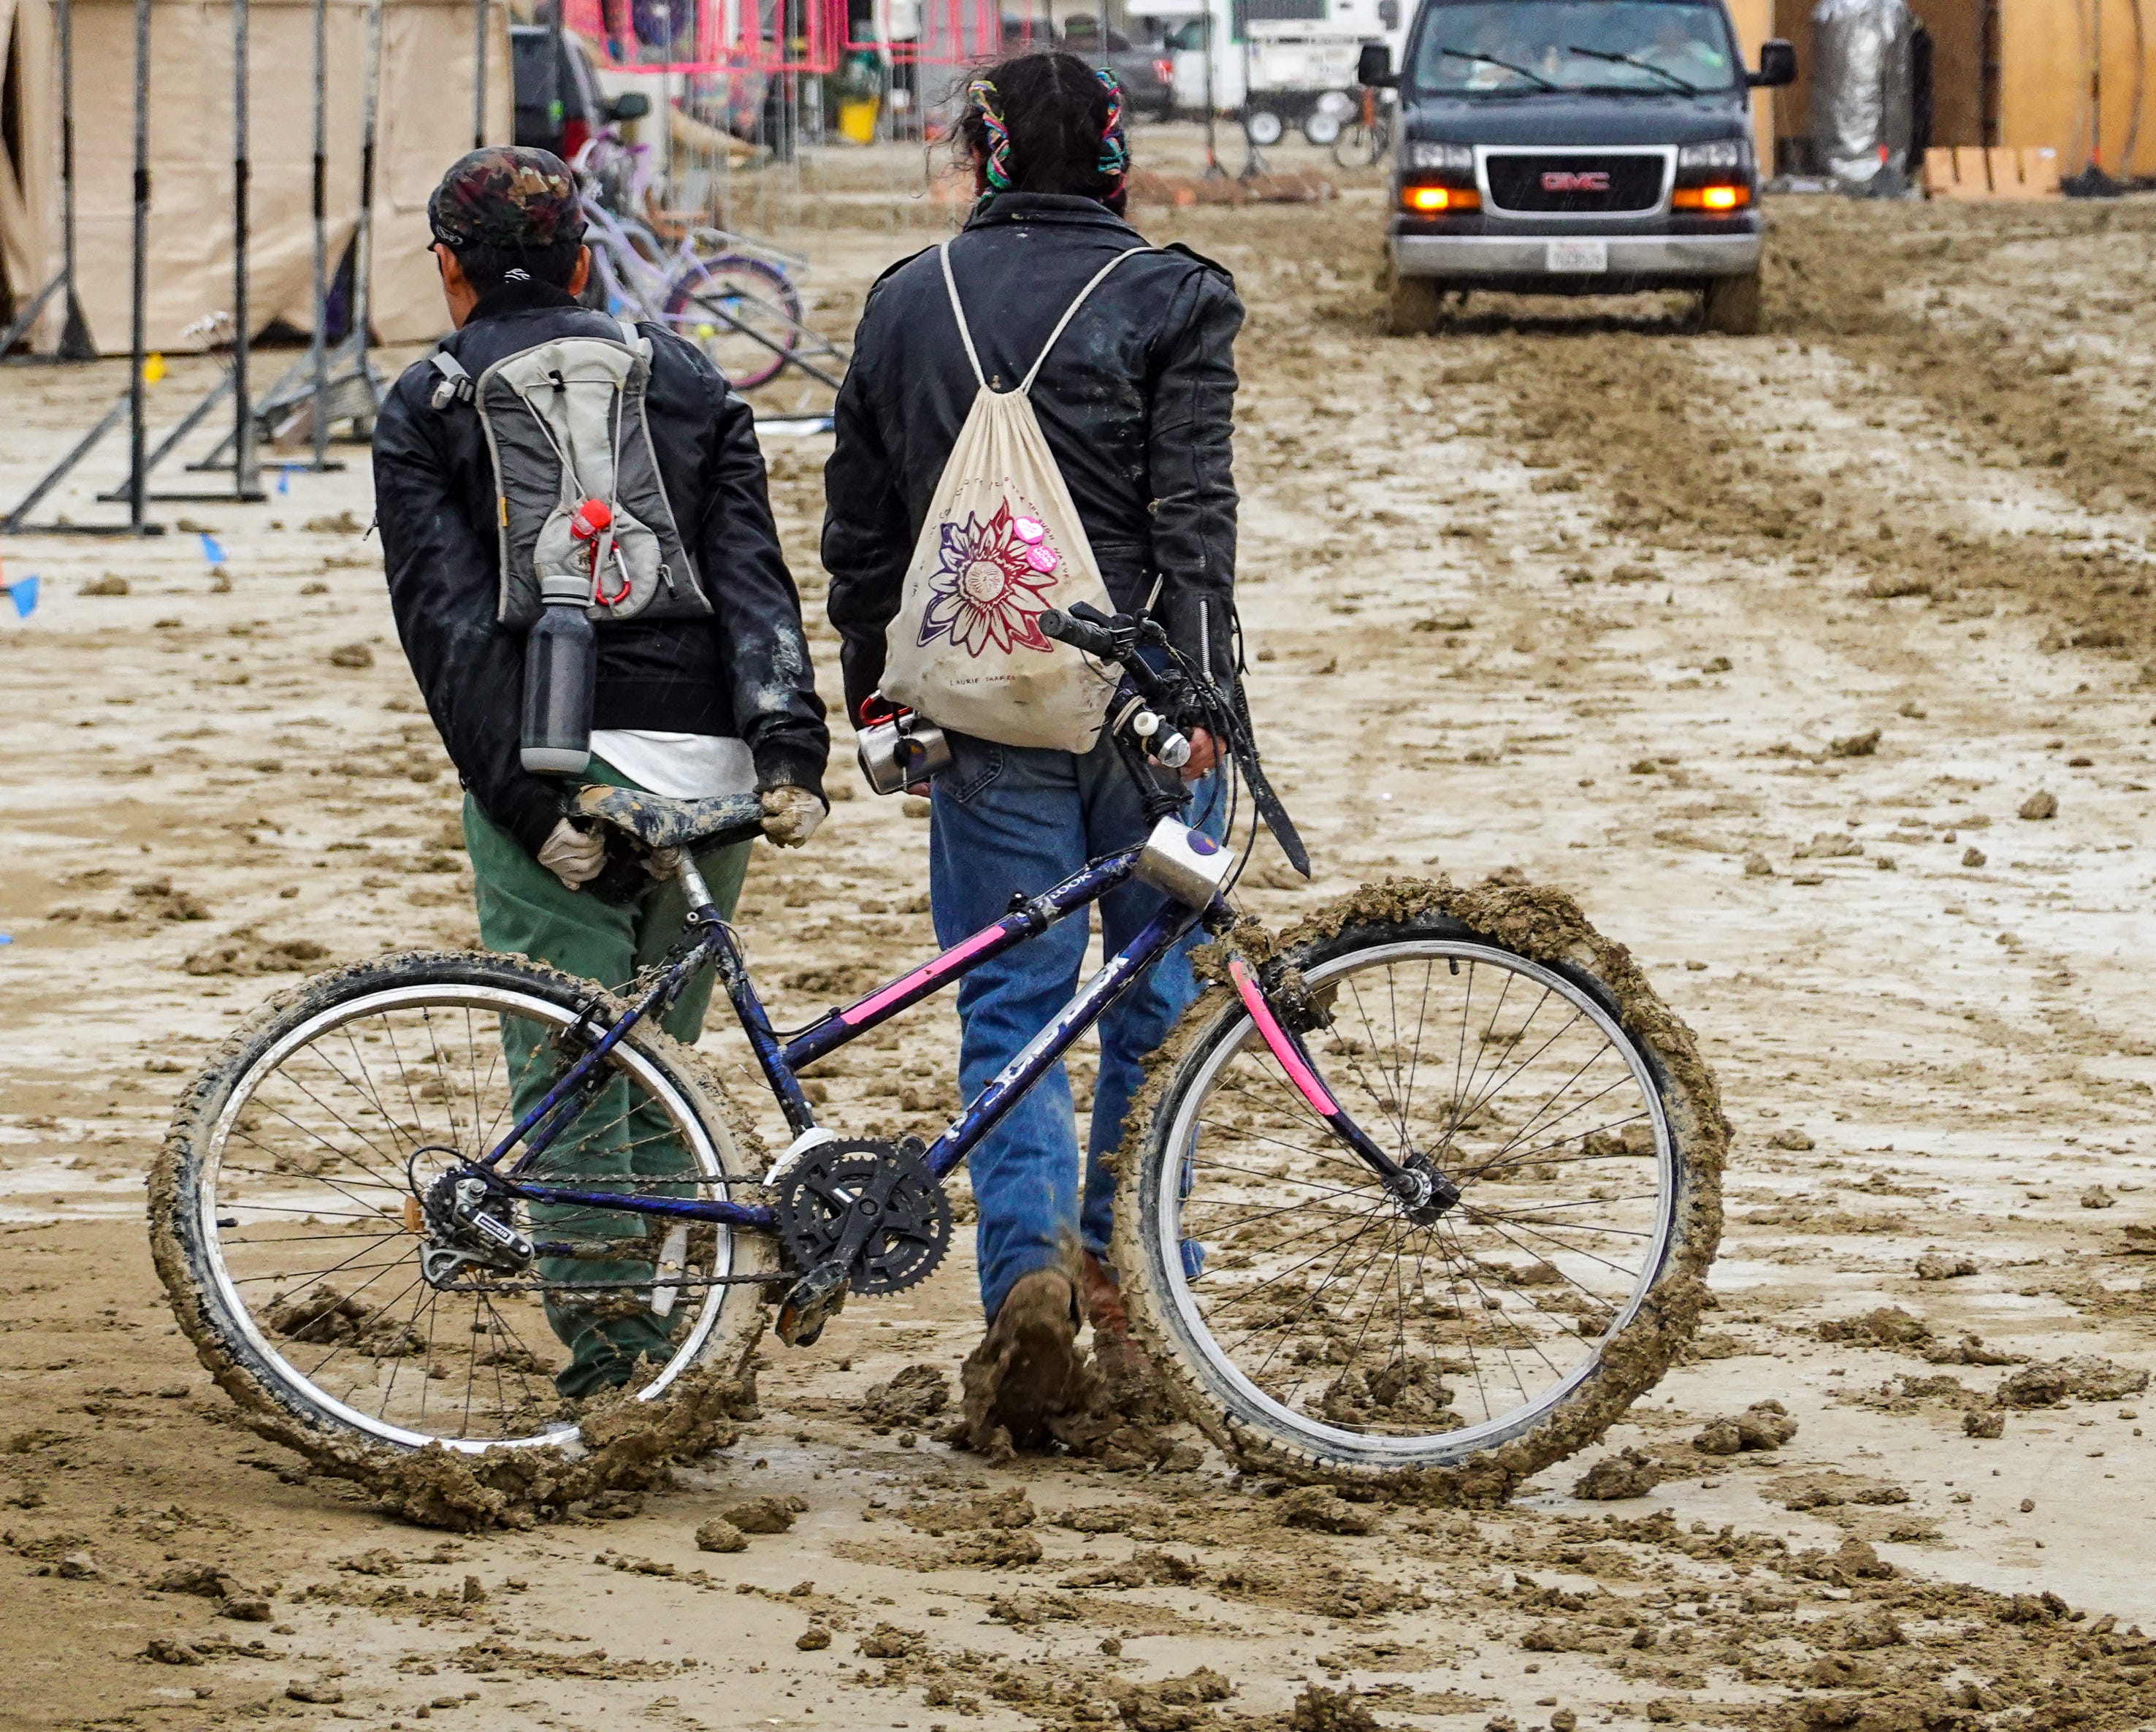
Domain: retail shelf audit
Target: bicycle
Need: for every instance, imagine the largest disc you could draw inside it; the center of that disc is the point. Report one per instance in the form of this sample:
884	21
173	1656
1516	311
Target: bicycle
1364	141
734	298
1432	1173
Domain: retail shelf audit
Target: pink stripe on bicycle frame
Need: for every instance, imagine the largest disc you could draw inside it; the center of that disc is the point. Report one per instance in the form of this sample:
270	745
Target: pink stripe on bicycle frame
1283	1049
856	1014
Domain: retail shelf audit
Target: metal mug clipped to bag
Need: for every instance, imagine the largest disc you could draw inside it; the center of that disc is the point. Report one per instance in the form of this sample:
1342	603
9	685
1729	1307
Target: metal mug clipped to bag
896	754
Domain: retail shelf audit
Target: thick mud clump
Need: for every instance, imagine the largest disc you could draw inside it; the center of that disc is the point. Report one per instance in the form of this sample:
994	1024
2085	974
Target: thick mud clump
629	1447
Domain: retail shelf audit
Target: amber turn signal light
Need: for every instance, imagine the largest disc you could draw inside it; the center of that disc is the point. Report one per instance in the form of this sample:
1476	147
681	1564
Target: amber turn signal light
1438	201
1713	199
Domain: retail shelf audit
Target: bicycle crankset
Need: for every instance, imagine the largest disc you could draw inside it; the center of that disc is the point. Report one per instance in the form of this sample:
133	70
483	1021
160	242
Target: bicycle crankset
873	1208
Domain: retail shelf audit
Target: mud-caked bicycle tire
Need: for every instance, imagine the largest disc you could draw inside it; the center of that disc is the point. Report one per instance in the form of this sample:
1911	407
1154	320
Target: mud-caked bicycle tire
182	1229
1537	928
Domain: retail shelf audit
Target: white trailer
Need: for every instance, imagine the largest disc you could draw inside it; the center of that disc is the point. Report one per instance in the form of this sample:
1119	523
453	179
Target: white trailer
1279	63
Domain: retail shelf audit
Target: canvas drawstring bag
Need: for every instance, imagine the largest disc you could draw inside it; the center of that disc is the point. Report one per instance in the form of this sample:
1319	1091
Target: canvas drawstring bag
1001	545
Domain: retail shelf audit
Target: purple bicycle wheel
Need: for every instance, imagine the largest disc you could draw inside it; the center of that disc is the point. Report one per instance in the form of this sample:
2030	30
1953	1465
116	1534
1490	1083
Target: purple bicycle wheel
742	313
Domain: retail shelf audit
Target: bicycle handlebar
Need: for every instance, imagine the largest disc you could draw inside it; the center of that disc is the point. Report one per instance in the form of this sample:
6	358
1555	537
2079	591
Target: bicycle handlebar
1141	692
1095	640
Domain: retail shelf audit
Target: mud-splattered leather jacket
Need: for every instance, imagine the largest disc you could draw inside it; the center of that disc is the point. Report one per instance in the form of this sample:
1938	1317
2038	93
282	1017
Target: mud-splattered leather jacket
743	672
1136	400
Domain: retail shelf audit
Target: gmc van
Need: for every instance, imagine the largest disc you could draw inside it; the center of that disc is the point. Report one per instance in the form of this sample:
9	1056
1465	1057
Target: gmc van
1575	147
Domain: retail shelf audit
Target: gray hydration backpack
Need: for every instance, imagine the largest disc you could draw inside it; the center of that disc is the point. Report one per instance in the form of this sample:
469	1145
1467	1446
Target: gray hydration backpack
565	424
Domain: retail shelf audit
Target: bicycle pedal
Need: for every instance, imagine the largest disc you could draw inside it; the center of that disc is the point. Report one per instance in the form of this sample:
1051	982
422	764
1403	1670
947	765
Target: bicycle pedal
813	1300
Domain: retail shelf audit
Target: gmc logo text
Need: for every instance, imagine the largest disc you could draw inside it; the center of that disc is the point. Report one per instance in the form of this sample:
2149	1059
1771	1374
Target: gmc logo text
1584	180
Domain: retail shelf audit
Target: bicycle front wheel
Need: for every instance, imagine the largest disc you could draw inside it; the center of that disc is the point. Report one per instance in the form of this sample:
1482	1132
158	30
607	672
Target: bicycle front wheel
1311	1323
1360	146
287	1213
743	312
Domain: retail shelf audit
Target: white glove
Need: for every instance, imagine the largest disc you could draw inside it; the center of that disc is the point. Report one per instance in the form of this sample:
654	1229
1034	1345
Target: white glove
791	815
572	854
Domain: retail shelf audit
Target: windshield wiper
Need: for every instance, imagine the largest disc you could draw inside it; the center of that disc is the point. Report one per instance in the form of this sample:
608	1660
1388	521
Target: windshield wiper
1687	86
1461	53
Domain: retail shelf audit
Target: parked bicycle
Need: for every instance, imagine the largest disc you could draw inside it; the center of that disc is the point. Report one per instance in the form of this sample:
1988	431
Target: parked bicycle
1366	140
734	297
1404	1186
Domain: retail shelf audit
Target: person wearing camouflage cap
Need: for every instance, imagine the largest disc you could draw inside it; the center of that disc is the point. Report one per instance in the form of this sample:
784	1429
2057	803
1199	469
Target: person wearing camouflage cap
507	196
719	703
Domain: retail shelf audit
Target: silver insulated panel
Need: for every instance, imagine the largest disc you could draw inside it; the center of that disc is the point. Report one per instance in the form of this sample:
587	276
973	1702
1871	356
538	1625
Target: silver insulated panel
1863	74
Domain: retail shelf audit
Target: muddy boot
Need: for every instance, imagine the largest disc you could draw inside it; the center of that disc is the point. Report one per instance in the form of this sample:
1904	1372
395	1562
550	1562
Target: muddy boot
1134	1386
1029	1372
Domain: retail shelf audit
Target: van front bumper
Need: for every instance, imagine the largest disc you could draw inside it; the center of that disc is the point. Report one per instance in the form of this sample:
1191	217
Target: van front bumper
1522	261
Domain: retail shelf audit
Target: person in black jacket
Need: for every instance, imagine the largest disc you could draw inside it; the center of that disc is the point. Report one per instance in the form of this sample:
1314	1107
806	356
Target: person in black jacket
724	703
1135	400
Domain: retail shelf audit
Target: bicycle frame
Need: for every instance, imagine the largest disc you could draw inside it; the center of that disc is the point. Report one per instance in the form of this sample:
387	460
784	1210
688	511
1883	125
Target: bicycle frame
711	942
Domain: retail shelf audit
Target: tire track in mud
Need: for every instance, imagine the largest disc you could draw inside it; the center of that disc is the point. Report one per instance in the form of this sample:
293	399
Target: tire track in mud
1927	298
1716	452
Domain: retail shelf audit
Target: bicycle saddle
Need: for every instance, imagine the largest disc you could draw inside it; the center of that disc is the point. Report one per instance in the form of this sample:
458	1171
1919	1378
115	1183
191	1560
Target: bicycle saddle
659	821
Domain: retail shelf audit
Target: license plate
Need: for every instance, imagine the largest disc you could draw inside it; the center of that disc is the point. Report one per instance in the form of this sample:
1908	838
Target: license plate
1578	255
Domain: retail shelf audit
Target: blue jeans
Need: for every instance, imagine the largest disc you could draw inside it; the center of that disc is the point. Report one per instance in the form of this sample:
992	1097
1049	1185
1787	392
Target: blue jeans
1010	817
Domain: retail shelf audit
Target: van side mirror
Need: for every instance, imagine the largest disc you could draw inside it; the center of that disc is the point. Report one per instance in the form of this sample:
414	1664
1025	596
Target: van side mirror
629	105
1777	66
1388	14
1374	66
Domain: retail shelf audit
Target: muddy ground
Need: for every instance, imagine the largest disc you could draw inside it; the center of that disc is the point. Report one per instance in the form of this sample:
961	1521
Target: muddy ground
1761	647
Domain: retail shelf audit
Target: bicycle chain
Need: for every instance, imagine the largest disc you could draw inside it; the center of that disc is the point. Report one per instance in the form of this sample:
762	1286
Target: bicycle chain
616	1286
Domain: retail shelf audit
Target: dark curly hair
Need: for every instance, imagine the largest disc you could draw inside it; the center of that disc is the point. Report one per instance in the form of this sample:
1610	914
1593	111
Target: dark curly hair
1061	127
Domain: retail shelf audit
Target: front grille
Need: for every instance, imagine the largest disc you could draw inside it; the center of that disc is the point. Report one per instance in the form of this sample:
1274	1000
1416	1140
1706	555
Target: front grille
1606	184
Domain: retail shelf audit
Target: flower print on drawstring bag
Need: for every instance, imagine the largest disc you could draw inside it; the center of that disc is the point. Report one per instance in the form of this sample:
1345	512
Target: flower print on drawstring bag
1001	545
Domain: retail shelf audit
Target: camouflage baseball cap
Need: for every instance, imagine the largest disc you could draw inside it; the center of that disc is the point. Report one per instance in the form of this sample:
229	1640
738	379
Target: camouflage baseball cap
507	196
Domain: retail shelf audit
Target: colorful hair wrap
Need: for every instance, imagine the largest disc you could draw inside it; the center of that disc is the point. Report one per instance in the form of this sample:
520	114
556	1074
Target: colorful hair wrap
1115	161
996	169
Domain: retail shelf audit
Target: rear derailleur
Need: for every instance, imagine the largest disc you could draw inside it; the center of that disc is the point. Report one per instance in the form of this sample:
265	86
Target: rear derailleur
462	1234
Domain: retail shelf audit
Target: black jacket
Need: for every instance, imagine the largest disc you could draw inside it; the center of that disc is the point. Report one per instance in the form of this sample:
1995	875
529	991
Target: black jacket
1136	401
743	672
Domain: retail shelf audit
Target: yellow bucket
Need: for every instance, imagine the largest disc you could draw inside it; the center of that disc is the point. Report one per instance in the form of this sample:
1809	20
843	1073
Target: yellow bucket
857	121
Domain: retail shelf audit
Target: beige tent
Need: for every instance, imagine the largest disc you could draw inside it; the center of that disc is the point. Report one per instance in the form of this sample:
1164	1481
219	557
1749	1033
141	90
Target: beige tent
424	122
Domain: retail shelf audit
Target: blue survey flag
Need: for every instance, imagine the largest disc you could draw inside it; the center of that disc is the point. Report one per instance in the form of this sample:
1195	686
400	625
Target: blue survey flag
211	551
23	592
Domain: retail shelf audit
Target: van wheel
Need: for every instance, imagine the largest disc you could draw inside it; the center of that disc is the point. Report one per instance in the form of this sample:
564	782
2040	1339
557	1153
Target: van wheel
1730	306
1263	128
1414	305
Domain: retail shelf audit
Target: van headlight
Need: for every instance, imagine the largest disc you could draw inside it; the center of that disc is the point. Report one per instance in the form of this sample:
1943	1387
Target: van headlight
1733	153
1459	158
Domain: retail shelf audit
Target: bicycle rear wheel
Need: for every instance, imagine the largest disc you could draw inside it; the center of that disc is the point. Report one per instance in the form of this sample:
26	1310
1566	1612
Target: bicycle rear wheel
741	311
1361	146
1311	1324
287	1225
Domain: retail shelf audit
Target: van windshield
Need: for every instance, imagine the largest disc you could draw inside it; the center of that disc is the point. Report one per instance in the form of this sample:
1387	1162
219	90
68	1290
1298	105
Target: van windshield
1512	48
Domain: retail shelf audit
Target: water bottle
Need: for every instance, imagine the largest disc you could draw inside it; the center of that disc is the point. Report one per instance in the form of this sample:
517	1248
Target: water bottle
561	674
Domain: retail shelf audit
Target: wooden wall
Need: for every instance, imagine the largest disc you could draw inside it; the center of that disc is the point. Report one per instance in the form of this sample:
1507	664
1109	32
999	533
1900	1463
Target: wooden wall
2045	52
2046	49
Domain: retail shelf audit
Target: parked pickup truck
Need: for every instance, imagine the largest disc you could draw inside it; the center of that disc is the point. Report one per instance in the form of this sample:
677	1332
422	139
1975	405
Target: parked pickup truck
1575	147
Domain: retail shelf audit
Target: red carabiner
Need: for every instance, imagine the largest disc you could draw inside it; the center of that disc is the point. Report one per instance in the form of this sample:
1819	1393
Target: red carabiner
589	523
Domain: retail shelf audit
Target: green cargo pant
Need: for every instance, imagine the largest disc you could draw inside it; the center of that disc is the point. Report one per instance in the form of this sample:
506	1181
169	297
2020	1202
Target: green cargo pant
525	910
